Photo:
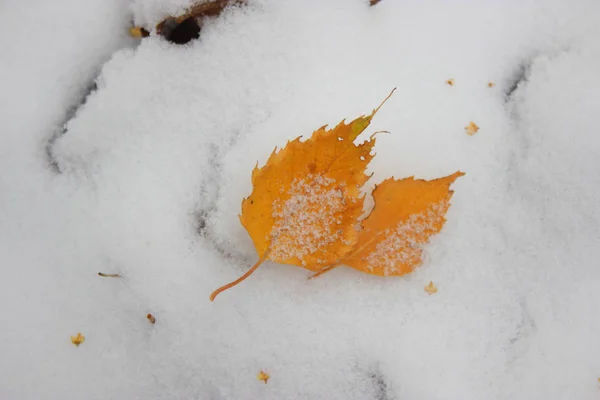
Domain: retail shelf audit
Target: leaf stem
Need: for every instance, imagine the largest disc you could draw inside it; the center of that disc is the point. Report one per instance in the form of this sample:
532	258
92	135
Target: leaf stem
238	280
321	272
355	252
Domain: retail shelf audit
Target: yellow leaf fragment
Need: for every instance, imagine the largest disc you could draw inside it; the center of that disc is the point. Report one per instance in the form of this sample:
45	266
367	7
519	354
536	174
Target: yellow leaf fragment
431	288
138	32
472	128
406	213
263	376
307	198
450	82
151	318
491	84
77	339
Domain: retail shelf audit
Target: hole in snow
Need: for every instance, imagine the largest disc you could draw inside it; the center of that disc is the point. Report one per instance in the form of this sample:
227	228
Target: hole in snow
58	133
519	77
381	386
180	32
201	217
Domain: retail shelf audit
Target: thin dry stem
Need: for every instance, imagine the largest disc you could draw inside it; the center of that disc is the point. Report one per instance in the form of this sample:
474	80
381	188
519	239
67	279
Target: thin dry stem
109	275
240	279
321	272
356	251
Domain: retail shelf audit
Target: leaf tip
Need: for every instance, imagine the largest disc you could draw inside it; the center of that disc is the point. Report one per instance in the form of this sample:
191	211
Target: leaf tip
383	102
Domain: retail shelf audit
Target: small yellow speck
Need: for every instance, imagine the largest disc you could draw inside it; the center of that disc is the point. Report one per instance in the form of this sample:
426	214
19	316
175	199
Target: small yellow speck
471	129
263	376
77	339
450	82
151	318
491	84
431	288
136	32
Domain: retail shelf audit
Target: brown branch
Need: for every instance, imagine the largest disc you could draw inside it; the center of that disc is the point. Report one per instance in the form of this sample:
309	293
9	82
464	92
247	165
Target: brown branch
208	9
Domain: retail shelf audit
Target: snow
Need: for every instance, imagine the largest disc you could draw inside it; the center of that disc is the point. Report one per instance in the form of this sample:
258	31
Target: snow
148	177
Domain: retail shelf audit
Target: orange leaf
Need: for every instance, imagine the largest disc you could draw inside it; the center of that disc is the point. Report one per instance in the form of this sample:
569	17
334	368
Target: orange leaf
306	200
406	213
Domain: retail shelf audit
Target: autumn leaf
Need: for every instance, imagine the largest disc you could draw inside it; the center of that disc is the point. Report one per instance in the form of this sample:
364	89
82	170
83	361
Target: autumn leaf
77	339
263	376
306	203
406	213
307	199
472	128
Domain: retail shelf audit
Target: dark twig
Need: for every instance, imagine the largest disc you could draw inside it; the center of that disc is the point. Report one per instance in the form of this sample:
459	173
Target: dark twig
109	275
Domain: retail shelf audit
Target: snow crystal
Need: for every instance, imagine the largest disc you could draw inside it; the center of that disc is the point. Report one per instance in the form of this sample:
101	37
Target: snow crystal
404	244
306	221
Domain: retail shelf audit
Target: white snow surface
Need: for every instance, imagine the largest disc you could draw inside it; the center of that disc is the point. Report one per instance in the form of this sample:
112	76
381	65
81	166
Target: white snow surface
148	178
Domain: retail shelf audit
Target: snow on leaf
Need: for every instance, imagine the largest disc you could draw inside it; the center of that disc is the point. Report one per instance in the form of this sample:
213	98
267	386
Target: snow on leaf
406	213
430	288
77	339
306	199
